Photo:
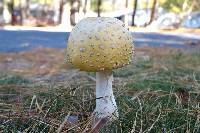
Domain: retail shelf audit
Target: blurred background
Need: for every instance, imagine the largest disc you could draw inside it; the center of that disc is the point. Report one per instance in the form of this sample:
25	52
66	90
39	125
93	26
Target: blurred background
66	13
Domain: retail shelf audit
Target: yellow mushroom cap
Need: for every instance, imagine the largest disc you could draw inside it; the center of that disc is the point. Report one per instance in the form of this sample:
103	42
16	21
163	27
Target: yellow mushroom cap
99	44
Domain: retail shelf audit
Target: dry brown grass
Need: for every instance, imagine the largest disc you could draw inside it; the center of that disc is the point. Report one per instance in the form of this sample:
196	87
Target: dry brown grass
41	61
45	61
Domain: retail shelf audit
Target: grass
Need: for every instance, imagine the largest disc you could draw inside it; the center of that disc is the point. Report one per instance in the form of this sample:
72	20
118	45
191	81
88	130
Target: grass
155	94
6	79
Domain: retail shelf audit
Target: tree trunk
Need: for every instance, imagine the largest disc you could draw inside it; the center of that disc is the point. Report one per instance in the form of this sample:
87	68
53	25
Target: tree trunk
13	19
75	7
85	6
134	12
24	5
126	4
126	15
153	11
61	4
147	12
9	12
99	8
113	4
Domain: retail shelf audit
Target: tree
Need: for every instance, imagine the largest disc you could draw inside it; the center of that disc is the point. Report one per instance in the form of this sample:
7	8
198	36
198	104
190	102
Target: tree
75	7
153	11
134	12
113	4
190	5
181	6
61	4
58	10
147	11
84	5
9	11
126	14
24	10
99	2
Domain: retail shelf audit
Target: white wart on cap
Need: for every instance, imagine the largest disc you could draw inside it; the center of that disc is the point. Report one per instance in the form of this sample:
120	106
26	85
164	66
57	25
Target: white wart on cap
99	44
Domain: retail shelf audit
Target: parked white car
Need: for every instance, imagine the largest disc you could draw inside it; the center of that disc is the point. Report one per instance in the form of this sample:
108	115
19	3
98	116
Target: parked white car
167	21
142	17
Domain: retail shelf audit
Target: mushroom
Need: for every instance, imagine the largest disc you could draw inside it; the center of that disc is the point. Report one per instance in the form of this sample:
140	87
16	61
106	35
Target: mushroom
100	45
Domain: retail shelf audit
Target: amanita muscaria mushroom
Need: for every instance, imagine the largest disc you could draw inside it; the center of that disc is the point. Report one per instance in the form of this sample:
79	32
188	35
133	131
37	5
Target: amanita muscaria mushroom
100	45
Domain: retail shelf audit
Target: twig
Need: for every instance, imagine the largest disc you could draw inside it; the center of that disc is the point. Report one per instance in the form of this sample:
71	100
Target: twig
101	123
154	123
141	121
63	123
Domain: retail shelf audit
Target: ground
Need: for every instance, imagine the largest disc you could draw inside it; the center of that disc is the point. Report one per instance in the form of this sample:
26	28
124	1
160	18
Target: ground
158	92
44	63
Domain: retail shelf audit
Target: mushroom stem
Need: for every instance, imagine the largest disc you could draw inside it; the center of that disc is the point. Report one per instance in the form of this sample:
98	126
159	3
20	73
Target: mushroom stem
105	102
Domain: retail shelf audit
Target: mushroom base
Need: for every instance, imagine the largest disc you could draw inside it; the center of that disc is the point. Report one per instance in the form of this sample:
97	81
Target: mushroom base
105	102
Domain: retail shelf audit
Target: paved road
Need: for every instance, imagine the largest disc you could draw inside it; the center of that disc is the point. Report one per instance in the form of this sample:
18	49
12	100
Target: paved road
15	41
